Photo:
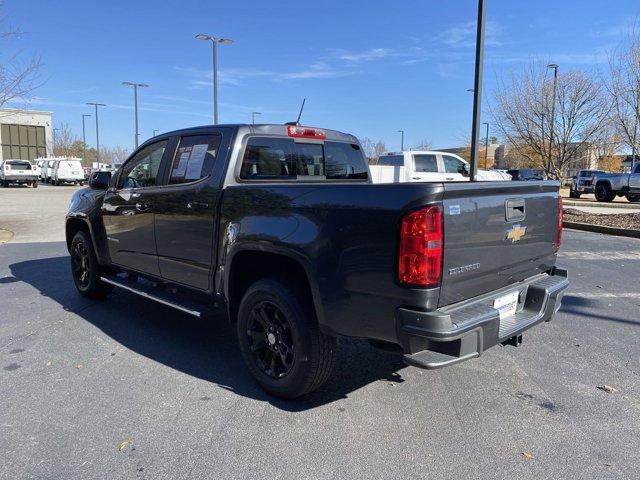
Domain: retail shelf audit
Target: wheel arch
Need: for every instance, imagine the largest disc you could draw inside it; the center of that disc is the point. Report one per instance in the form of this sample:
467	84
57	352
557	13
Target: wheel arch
248	265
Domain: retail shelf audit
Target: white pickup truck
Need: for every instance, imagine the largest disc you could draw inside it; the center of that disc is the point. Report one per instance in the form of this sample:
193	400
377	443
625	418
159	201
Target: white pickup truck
19	172
426	166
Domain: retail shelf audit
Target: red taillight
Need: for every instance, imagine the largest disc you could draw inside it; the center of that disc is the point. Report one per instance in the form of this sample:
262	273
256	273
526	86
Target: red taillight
306	132
559	225
420	257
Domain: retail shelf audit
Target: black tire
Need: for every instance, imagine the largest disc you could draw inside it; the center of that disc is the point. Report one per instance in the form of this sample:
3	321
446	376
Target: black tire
34	184
85	268
633	197
573	194
603	193
280	341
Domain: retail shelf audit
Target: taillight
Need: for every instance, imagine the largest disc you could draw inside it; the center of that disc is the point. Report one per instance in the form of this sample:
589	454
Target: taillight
306	132
559	225
420	256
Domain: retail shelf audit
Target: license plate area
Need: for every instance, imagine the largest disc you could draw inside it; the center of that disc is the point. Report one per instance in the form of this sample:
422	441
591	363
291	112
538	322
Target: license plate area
507	304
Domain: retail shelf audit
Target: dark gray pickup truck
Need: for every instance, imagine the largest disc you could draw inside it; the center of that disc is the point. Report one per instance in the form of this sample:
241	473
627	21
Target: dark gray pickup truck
279	229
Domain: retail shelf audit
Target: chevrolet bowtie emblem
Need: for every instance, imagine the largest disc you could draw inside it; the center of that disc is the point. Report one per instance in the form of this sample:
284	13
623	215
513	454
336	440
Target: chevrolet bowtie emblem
515	233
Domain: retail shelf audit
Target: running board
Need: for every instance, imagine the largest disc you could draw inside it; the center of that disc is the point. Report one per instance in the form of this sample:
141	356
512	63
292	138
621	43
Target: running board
152	293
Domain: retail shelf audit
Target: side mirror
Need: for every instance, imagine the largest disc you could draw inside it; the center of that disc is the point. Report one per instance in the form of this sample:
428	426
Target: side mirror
464	170
100	180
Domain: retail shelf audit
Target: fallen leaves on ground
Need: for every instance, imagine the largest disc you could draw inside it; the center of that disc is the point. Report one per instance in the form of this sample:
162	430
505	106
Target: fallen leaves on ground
527	455
48	364
79	366
607	388
123	444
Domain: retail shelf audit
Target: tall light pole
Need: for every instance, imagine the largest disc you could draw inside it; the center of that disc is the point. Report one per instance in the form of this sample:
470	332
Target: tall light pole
253	117
401	140
96	105
214	43
553	114
477	90
135	103
54	129
84	136
486	145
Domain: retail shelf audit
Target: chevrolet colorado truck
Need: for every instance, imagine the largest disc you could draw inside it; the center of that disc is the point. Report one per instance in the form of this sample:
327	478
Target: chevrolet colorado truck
279	229
608	186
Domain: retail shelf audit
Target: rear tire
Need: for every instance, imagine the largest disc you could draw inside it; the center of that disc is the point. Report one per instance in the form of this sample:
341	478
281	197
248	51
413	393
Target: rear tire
85	268
603	193
34	184
280	341
633	197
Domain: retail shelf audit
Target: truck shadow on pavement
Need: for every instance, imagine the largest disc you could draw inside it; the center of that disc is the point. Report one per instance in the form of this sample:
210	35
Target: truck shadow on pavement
202	349
591	308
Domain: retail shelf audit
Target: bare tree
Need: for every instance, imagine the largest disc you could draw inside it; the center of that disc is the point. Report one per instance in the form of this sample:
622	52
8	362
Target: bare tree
522	113
424	145
113	155
372	150
64	140
18	76
623	86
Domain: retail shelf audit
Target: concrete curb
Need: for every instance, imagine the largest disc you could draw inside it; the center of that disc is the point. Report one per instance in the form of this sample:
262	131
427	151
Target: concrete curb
587	227
578	203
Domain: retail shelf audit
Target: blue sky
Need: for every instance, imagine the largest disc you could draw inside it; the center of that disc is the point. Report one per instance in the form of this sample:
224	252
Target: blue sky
368	68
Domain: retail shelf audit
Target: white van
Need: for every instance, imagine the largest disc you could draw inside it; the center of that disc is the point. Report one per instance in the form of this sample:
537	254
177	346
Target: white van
68	170
47	170
426	166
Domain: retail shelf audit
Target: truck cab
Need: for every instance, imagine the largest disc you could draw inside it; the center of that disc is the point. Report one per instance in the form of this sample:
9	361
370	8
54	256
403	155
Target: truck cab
426	166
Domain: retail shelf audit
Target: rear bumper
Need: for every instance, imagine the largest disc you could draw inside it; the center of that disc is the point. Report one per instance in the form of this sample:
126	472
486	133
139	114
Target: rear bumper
463	331
21	178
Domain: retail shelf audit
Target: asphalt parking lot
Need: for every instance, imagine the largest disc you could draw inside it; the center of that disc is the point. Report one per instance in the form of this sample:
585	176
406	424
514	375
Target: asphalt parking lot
124	388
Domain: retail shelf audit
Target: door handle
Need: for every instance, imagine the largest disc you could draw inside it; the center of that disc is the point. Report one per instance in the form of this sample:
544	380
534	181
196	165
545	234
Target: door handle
197	205
449	178
416	178
142	206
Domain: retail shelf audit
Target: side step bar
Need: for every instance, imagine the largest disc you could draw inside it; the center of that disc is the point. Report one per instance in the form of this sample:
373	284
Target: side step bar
151	293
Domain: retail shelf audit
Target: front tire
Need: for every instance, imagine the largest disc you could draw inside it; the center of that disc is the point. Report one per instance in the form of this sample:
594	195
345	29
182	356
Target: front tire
34	184
85	268
280	341
603	193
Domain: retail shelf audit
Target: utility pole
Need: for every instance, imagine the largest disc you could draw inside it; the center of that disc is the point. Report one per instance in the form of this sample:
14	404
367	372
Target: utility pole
84	136
135	104
486	145
96	105
553	114
477	90
253	117
401	140
214	43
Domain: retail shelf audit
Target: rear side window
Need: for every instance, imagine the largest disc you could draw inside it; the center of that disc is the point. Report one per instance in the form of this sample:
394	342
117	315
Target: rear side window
194	158
269	157
391	160
637	170
426	163
452	164
345	161
19	166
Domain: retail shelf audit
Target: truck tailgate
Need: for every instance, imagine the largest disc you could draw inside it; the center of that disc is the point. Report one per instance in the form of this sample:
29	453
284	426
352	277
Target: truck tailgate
496	234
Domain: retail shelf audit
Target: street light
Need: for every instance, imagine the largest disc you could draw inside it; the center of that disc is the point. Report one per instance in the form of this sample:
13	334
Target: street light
135	103
553	113
214	43
486	145
253	117
401	140
477	90
84	136
96	105
54	129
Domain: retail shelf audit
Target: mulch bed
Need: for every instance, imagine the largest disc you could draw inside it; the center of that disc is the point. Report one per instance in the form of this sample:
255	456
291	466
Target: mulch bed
619	220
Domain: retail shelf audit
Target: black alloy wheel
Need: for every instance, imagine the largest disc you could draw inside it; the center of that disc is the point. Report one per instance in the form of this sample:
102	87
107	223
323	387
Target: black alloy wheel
271	340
